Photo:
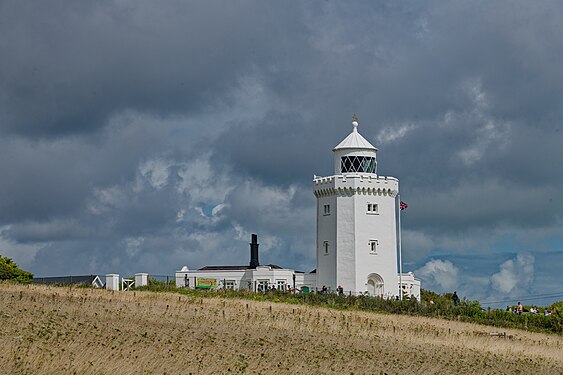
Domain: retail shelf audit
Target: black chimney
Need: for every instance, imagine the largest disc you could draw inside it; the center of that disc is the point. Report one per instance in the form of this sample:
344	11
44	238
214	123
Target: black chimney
254	252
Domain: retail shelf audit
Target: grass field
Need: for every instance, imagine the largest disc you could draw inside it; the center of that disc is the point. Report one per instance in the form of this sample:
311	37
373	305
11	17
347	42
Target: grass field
50	330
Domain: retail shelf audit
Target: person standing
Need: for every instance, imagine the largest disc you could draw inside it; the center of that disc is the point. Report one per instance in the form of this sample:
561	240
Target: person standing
519	308
456	299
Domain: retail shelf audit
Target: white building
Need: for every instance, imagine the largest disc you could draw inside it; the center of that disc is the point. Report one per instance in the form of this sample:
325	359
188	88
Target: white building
357	236
253	277
357	231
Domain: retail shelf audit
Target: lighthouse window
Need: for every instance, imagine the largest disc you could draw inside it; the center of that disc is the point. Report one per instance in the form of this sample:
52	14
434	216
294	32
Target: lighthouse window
327	209
351	164
325	246
373	246
373	208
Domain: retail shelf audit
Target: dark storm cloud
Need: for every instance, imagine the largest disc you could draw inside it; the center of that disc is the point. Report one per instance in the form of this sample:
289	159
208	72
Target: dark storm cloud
67	67
44	179
145	136
277	149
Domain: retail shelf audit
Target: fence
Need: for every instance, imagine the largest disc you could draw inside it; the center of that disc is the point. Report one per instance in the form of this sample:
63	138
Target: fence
93	280
99	281
167	280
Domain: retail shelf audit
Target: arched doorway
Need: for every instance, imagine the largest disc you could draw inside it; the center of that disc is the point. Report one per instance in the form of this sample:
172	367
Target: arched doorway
375	285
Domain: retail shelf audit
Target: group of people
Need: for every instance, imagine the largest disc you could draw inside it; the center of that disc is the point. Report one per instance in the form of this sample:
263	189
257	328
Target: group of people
324	290
272	288
519	309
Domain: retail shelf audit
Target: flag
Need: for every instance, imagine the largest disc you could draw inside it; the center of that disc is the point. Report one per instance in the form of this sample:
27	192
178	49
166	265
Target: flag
403	205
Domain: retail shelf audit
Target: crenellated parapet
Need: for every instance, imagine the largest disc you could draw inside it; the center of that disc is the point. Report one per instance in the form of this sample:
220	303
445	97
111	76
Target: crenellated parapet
348	192
352	184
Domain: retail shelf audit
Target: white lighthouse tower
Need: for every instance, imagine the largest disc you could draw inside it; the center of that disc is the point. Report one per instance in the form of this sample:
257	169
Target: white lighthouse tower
357	222
357	235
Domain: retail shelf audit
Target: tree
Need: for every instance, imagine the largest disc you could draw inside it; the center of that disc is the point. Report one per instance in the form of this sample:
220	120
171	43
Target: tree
9	270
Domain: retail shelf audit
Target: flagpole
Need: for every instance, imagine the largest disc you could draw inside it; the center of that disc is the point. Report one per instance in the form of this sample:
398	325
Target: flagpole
400	251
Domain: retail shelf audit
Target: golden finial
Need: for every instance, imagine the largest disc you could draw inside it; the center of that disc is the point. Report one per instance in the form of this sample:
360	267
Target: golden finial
355	117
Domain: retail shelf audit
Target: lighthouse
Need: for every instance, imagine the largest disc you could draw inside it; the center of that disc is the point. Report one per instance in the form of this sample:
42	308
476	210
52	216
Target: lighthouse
357	237
357	222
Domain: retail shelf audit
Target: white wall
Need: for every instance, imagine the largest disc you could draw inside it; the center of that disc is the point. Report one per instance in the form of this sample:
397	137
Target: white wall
380	227
112	281
220	276
326	231
411	286
345	241
272	276
141	279
241	277
351	227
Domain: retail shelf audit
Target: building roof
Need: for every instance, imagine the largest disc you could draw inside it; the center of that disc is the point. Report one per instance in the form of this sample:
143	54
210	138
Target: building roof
355	141
224	268
236	268
65	280
275	266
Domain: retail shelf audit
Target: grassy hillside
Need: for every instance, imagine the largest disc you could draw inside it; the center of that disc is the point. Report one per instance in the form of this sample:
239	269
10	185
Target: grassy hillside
62	330
443	307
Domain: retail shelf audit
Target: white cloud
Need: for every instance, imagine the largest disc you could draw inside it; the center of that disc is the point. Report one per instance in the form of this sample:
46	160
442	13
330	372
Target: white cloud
217	209
489	130
439	274
421	243
240	232
133	245
202	181
514	275
156	172
180	215
105	199
270	242
392	133
21	253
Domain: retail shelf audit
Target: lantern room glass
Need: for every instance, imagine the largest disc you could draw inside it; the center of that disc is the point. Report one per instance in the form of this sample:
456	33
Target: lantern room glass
354	164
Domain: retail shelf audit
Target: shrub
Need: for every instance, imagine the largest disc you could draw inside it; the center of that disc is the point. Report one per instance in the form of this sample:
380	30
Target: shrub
9	270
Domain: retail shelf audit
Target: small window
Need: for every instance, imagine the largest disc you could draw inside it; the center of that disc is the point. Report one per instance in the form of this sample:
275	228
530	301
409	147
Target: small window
373	208
373	246
230	284
325	246
281	285
262	286
327	209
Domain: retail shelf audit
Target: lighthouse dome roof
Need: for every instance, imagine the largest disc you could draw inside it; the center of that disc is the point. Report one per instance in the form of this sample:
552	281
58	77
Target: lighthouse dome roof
355	140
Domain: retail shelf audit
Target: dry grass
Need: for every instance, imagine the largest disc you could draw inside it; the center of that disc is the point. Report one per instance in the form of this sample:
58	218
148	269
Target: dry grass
61	330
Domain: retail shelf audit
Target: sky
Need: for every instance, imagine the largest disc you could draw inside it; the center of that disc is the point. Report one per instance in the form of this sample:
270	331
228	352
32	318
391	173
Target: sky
141	136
